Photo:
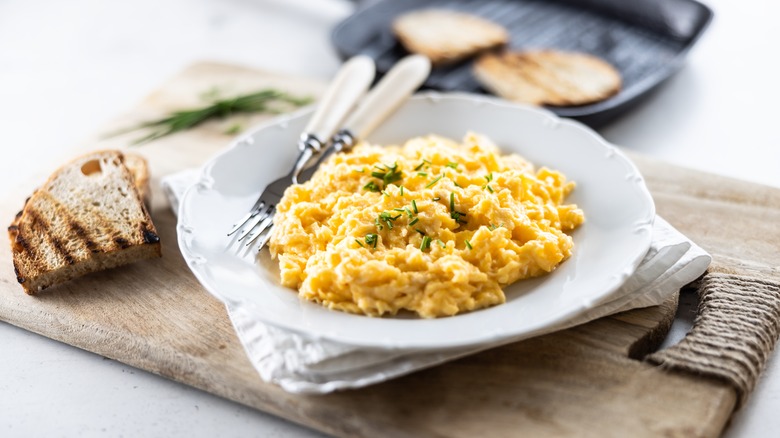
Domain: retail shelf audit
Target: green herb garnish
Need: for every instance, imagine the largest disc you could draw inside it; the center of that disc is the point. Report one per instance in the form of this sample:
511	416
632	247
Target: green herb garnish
414	221
414	206
387	218
441	244
422	173
371	186
425	244
430	184
452	165
371	239
401	190
489	178
435	199
359	243
457	215
389	173
422	233
264	101
469	244
233	129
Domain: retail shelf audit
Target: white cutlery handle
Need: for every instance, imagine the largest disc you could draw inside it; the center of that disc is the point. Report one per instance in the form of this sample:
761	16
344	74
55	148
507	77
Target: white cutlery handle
394	88
349	85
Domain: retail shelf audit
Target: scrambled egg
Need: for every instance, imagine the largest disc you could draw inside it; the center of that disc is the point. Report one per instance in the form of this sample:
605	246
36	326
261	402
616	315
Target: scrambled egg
434	227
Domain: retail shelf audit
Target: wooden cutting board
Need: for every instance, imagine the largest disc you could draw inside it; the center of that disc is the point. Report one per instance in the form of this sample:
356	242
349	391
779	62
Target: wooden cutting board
589	380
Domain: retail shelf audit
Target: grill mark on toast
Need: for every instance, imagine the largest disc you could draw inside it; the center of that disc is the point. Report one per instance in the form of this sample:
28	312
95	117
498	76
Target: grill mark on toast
82	234
62	250
43	226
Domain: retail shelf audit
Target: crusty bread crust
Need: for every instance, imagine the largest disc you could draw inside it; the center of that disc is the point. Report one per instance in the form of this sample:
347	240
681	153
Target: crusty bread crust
139	169
446	36
547	77
87	217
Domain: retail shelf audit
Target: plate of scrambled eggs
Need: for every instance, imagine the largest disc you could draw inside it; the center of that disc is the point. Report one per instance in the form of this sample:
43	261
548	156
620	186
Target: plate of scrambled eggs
463	220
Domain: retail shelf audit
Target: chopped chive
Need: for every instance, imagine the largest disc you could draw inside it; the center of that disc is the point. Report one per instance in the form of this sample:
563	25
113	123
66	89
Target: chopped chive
414	221
457	185
388	173
414	207
492	227
386	218
452	165
426	161
360	170
458	217
420	166
371	239
422	233
371	186
401	189
452	201
435	199
431	184
441	244
398	209
359	243
408	213
422	173
384	192
469	244
489	177
425	244
490	189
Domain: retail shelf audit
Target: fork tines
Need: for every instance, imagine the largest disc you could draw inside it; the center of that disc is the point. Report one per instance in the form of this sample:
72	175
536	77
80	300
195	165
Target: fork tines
252	226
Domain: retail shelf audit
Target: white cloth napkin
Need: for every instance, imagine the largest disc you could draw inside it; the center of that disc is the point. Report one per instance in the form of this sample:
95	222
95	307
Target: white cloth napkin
302	365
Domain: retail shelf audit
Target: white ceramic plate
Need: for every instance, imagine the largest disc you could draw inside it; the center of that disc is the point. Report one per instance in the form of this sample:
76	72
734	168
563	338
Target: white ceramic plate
618	208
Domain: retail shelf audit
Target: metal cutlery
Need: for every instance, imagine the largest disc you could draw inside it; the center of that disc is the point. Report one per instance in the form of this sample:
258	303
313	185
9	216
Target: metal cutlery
386	97
349	85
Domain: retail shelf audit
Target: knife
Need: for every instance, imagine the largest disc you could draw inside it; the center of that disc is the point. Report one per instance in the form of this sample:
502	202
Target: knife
384	99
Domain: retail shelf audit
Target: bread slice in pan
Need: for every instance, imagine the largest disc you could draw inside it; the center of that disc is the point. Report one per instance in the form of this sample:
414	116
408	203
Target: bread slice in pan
446	36
87	217
548	77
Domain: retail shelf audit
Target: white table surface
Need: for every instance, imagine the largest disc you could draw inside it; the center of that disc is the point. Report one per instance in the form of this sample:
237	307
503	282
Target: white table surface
68	67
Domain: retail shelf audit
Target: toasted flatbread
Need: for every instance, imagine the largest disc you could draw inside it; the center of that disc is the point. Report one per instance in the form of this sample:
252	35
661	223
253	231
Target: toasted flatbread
547	77
87	217
446	36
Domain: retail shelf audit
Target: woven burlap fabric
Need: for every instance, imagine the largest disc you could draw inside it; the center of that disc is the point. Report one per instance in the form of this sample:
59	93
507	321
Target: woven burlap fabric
735	331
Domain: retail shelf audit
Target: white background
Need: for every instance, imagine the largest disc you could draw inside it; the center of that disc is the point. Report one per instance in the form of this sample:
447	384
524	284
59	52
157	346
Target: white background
66	68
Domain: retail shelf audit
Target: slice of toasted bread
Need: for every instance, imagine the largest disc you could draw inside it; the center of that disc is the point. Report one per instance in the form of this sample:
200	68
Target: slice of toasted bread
547	77
446	36
87	217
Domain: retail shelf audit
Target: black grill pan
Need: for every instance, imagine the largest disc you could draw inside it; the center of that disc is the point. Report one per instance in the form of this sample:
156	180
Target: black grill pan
646	40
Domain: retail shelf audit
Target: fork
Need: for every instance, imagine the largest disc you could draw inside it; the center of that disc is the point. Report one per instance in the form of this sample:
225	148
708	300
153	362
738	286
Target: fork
392	90
351	83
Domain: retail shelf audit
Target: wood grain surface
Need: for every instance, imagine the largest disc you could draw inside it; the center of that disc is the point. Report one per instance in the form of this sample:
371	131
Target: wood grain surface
586	381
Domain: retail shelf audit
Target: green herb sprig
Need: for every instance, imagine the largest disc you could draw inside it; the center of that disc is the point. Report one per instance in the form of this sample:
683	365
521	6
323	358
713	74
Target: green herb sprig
258	102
